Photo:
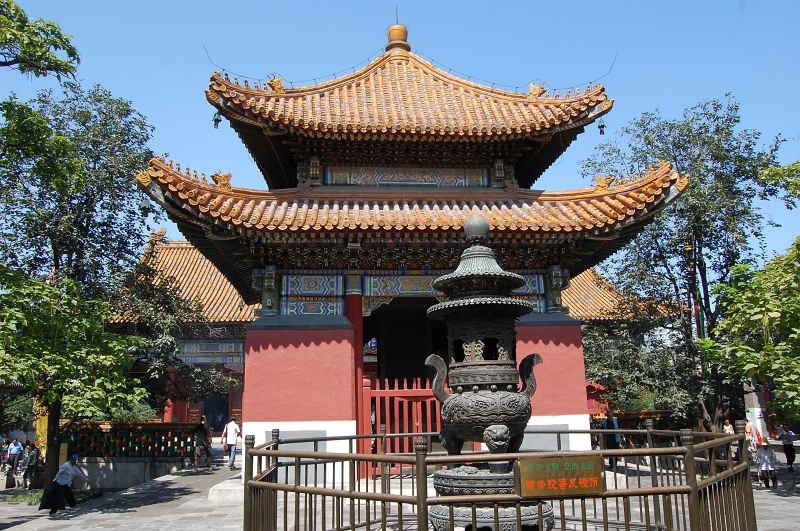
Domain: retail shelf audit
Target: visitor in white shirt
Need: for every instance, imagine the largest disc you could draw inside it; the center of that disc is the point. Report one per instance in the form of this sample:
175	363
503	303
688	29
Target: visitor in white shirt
61	489
767	460
231	433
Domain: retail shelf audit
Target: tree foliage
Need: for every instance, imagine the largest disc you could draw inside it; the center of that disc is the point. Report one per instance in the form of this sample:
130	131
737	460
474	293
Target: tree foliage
55	345
70	202
32	46
638	371
786	177
695	243
760	334
16	408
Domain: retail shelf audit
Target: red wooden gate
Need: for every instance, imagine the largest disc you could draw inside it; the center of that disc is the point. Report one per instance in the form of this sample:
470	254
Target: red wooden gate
402	406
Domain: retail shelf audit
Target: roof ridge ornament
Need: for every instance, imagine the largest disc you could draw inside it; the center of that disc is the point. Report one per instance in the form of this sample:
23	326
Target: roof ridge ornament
223	181
398	38
535	92
276	84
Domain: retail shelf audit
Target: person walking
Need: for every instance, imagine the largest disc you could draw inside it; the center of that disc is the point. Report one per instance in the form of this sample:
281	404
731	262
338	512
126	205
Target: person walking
787	438
3	453
31	461
613	441
202	444
14	454
766	459
60	489
229	440
748	437
727	428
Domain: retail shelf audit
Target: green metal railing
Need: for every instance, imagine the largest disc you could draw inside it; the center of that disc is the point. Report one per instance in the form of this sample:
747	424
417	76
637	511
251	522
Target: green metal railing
679	480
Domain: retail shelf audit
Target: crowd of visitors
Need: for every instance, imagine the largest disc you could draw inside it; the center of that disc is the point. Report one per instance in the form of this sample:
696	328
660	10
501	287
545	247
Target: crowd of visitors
19	458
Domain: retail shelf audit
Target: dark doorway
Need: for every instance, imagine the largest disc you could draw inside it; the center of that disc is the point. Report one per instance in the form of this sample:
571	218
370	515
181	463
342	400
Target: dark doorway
405	337
215	408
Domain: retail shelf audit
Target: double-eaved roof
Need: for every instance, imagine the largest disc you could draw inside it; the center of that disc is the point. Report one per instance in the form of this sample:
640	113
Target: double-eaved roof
343	160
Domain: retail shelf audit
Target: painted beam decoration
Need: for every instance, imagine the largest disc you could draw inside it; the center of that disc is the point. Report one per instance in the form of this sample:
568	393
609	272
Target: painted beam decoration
378	176
212	352
560	477
312	295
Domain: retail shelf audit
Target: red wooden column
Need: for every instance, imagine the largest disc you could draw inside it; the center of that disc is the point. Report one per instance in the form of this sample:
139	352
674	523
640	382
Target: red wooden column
168	413
352	308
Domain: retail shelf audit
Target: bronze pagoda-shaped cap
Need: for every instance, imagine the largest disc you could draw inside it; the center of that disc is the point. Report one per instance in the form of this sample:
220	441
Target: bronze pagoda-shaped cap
478	284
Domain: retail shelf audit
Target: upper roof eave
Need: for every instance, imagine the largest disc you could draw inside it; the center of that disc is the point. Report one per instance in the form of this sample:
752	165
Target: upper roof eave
400	93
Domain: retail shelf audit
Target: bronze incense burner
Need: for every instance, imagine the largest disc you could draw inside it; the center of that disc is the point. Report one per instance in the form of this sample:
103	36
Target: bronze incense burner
484	403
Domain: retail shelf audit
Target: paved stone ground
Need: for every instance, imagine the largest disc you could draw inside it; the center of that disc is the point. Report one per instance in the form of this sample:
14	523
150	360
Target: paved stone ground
180	502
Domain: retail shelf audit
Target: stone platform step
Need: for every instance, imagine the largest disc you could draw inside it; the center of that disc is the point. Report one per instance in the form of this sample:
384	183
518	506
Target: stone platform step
228	492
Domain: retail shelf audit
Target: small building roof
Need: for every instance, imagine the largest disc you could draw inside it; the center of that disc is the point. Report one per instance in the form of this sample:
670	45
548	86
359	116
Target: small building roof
198	279
591	297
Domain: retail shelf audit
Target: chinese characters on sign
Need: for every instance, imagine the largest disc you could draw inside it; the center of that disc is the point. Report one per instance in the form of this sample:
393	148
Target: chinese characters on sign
563	476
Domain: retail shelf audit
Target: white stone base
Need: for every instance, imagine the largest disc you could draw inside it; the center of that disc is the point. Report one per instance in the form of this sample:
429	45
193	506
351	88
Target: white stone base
575	441
331	428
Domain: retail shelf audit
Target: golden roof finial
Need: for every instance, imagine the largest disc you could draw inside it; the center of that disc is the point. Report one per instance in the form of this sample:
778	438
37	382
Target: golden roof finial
398	35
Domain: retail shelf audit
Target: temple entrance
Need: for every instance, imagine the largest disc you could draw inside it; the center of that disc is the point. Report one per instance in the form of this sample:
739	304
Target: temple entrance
215	408
405	337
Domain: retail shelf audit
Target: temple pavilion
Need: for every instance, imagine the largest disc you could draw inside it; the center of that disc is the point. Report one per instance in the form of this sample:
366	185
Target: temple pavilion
370	178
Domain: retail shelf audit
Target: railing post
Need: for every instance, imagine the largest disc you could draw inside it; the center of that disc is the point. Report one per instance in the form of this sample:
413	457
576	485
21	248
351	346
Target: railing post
247	475
421	447
689	468
744	456
648	425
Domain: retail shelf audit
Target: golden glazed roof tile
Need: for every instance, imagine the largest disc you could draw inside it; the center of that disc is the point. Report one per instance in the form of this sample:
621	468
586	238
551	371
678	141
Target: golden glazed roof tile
590	297
583	211
198	278
399	93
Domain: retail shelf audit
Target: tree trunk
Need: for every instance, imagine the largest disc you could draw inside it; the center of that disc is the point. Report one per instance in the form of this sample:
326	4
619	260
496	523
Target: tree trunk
54	438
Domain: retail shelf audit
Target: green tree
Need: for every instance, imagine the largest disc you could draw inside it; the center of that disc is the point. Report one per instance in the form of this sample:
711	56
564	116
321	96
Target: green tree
760	334
638	371
695	243
786	177
16	408
71	205
56	346
32	46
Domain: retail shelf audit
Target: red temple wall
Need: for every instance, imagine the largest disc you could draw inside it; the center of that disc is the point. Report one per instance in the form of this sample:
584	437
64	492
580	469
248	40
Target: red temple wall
561	377
299	375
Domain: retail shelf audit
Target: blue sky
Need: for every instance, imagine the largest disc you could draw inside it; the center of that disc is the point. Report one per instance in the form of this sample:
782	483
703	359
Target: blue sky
669	56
